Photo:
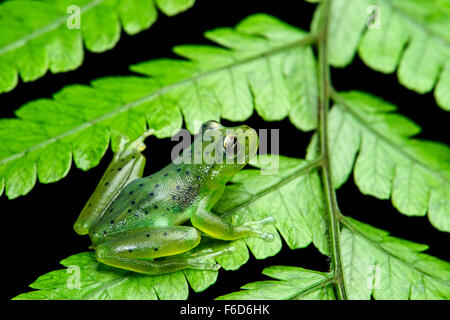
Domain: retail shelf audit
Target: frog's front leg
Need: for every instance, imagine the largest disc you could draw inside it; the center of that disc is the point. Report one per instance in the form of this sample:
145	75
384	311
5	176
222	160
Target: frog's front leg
133	249
128	164
218	228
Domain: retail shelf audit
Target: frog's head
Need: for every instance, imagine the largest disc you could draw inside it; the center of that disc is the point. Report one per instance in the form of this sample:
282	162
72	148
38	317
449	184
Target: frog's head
229	149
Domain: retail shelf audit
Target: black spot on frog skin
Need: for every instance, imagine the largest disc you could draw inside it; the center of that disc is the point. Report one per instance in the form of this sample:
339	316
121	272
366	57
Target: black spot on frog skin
141	184
106	183
119	169
156	249
155	206
156	185
133	202
147	235
166	174
112	222
177	187
178	170
131	192
188	172
129	210
90	205
151	194
104	232
165	234
130	250
167	209
146	211
174	197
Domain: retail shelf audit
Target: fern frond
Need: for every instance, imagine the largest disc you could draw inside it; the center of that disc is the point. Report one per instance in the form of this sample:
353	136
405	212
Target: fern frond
414	173
290	283
100	282
35	36
375	265
411	36
262	55
378	265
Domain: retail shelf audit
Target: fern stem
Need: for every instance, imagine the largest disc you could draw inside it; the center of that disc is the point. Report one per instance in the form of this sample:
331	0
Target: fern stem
330	196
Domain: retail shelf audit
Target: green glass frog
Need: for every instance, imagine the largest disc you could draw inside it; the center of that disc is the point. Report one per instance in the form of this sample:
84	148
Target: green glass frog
136	223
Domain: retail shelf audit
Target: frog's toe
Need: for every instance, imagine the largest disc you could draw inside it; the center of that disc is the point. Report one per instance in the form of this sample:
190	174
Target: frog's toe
262	235
210	254
204	266
267	236
266	220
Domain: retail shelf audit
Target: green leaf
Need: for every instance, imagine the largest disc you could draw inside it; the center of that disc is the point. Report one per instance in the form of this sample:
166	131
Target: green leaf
172	7
381	29
98	281
41	35
375	265
347	21
291	283
383	267
415	174
258	68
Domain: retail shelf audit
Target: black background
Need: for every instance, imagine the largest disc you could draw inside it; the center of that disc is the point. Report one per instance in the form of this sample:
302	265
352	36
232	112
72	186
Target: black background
37	228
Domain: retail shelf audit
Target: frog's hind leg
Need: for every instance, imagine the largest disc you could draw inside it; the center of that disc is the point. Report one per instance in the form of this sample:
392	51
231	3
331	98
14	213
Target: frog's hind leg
132	250
128	164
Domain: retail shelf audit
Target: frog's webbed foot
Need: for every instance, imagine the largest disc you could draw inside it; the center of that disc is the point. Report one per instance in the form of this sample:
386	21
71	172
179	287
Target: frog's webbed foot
253	227
199	257
219	228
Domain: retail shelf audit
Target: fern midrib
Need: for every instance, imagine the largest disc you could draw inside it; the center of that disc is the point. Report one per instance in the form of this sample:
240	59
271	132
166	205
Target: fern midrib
354	229
332	210
48	28
367	126
307	40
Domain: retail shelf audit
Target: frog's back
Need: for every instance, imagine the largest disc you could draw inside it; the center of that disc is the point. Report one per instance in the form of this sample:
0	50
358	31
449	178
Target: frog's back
160	199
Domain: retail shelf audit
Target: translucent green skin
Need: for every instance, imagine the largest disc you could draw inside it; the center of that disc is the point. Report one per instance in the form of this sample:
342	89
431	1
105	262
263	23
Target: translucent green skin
133	220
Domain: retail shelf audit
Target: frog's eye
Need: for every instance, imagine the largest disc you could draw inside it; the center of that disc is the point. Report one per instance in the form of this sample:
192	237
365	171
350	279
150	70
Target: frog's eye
210	125
231	145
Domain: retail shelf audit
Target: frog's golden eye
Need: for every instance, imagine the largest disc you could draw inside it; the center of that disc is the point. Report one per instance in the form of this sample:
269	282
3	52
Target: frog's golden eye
231	145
